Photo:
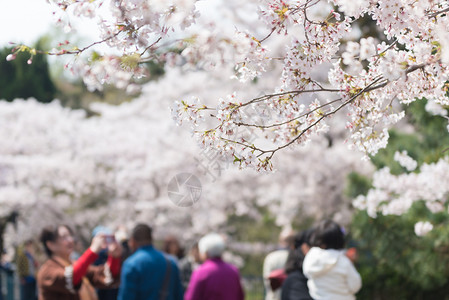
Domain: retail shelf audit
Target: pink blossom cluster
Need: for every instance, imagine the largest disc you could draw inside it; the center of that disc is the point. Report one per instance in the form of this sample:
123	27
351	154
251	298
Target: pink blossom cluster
367	77
116	70
395	194
299	65
405	161
423	228
115	167
320	44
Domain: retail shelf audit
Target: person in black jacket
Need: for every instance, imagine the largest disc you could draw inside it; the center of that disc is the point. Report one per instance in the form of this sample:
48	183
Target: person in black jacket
295	285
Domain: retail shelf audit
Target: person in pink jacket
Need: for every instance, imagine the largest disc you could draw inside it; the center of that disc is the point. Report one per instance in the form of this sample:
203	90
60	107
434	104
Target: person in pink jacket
214	279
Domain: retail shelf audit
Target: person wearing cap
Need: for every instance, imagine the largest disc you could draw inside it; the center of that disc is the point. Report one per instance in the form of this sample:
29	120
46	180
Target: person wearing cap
214	279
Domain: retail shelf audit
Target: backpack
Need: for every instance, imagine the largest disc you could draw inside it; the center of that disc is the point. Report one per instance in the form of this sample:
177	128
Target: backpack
277	278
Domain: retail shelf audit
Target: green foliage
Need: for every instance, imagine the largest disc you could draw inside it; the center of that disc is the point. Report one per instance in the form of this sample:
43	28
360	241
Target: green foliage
357	184
155	69
75	95
18	79
246	228
253	264
432	129
394	262
261	230
398	142
426	145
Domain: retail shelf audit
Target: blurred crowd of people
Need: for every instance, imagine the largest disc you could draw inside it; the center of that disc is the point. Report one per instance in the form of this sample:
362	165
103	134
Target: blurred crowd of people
312	264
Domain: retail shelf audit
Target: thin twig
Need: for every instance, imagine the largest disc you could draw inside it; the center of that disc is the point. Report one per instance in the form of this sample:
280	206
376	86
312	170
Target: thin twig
290	120
438	12
78	51
147	48
295	93
322	117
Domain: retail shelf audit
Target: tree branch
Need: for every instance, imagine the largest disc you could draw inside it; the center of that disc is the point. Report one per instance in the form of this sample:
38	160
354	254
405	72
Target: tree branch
438	12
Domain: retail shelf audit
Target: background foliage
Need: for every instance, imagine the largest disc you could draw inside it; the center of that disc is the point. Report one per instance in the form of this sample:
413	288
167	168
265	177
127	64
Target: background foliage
394	262
18	79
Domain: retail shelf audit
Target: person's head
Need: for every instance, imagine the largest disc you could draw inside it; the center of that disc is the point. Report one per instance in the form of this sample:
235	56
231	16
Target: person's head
28	245
297	254
328	235
286	239
142	235
58	241
172	246
211	245
302	239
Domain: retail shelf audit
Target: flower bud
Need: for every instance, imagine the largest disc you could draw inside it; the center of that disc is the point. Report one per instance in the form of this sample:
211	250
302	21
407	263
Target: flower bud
11	57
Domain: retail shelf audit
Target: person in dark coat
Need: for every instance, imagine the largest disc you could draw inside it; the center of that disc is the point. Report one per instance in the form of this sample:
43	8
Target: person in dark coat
295	285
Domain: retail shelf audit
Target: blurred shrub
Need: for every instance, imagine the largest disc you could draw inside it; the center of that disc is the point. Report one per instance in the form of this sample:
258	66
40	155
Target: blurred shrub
393	261
18	79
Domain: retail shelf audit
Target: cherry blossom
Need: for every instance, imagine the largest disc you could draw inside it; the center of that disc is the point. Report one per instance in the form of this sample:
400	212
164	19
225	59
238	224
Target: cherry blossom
405	161
299	41
287	78
114	168
395	194
423	228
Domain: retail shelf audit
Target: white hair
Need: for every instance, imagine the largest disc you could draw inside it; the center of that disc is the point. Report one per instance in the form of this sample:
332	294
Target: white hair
212	244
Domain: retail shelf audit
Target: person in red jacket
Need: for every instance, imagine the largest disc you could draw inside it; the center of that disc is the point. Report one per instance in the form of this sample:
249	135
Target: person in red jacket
59	278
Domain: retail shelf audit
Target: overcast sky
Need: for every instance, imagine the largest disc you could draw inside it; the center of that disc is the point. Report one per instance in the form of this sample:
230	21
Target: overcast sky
24	21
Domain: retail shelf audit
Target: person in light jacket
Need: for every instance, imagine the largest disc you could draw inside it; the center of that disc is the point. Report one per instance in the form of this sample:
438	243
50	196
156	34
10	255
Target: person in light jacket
331	274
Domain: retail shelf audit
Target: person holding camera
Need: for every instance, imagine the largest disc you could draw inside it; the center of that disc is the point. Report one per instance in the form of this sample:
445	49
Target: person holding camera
59	278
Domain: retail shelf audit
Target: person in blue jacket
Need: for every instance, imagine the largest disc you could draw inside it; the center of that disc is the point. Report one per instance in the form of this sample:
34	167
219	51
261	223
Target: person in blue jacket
148	274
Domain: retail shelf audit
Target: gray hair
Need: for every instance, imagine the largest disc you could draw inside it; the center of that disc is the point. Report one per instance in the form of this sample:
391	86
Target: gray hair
212	244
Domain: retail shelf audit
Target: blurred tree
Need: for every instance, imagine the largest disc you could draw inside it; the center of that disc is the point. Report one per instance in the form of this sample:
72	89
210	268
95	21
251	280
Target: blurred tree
426	145
18	79
394	262
397	264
